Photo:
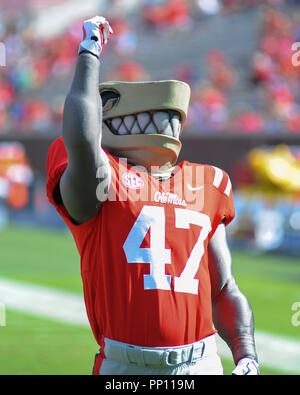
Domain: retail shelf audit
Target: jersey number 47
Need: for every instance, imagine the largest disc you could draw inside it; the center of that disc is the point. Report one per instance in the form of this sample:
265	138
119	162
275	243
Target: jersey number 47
157	255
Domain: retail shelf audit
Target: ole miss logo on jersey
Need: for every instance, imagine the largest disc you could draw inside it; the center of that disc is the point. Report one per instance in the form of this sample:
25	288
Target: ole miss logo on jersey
176	190
132	181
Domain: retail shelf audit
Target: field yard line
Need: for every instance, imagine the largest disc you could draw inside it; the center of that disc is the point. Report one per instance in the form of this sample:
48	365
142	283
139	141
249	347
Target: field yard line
275	352
50	303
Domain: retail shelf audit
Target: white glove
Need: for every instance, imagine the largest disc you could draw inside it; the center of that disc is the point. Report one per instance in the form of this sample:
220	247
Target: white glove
95	33
246	366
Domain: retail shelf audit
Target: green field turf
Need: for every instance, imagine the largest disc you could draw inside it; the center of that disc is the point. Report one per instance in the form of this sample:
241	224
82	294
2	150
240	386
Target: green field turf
35	345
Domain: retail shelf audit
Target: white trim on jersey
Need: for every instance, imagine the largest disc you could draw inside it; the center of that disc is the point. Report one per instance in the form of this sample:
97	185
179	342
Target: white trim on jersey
228	187
218	177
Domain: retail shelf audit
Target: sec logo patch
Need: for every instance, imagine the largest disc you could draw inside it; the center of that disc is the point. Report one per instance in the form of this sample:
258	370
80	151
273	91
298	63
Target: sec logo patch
132	181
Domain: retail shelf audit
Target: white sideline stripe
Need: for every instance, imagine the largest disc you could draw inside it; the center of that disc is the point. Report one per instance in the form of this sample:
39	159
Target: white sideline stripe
273	351
46	302
218	177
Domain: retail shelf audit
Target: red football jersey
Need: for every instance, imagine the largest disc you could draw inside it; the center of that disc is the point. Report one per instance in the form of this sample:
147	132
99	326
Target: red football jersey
144	261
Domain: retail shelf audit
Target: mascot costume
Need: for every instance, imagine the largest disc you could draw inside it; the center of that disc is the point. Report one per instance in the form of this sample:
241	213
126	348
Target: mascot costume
156	268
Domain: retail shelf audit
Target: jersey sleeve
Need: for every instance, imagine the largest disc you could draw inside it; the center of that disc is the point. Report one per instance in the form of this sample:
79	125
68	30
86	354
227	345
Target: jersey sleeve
229	209
57	161
221	182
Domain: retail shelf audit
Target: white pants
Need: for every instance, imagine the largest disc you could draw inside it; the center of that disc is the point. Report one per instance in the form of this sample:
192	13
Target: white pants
199	358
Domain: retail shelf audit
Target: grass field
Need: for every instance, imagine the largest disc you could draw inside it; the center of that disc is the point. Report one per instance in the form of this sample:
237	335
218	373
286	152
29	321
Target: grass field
30	344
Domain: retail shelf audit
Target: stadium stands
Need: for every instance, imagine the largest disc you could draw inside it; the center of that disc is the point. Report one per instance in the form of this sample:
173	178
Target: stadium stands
228	53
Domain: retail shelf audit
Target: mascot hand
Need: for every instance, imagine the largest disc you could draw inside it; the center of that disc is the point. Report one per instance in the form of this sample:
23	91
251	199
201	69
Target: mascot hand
95	33
246	366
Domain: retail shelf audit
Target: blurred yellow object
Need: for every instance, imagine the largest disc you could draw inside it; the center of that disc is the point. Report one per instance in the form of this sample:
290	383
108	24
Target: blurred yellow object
277	167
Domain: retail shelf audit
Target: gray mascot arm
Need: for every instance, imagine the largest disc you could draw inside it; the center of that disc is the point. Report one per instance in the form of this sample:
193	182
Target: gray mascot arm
87	163
232	313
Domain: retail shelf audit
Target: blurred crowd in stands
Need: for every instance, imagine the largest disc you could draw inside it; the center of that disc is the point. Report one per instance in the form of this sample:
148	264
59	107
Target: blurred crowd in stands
271	74
33	62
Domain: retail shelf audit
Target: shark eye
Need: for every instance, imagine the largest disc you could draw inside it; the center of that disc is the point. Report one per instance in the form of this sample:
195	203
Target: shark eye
110	98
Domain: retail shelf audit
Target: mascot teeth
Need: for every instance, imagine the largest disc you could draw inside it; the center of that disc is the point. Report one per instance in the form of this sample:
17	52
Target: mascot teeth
122	129
168	130
151	129
135	129
144	118
116	123
158	122
161	120
129	121
176	125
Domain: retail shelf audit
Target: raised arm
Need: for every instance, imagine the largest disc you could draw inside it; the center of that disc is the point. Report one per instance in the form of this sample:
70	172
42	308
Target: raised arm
232	313
82	120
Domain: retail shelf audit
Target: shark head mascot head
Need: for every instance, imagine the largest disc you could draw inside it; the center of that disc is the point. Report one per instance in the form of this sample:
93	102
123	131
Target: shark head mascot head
143	121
